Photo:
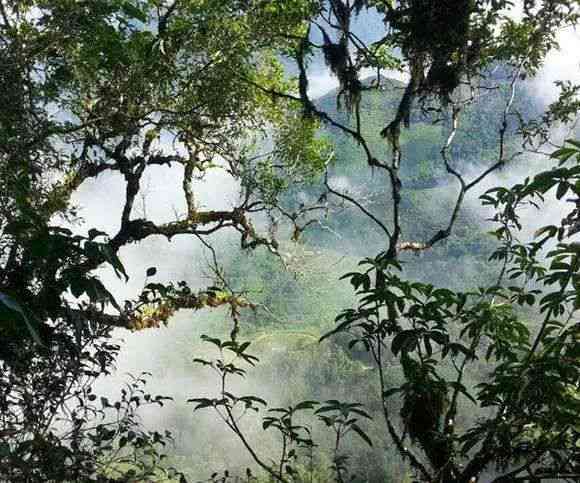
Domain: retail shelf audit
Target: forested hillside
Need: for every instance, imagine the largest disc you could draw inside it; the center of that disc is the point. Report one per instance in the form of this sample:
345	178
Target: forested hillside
297	294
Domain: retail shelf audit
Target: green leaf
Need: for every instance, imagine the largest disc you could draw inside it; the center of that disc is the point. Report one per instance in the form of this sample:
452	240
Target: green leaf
462	390
114	261
134	12
32	323
77	286
564	154
202	402
362	434
305	405
562	189
404	341
97	292
103	250
212	340
339	328
391	392
243	347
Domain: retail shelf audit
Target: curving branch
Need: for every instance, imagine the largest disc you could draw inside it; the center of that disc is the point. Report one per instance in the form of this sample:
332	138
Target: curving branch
353	201
464	186
195	222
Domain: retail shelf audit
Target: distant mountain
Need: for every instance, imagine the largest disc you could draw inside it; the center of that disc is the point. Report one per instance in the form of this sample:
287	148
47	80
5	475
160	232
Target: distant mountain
311	296
429	192
475	143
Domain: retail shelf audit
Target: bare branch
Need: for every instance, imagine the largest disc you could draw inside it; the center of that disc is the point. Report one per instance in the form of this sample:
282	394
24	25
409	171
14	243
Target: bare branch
351	200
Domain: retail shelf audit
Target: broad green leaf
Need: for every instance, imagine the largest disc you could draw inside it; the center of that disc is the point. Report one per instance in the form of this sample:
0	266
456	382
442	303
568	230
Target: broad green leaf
30	320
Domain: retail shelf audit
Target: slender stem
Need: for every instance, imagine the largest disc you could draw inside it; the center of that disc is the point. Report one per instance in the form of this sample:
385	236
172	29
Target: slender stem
283	457
356	203
336	456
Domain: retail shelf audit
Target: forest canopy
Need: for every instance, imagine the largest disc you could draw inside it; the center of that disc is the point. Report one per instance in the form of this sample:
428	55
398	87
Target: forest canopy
432	104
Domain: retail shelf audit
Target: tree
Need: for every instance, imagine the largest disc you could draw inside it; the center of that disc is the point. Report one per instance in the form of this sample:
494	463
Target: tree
99	96
105	86
523	323
99	86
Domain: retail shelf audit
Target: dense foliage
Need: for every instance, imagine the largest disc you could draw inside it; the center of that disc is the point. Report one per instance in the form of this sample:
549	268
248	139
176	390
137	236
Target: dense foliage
112	90
118	87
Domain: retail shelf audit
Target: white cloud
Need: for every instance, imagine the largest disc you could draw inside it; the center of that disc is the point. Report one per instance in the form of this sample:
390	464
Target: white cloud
562	64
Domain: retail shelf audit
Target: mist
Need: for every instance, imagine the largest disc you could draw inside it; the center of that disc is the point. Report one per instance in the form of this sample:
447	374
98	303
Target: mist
291	363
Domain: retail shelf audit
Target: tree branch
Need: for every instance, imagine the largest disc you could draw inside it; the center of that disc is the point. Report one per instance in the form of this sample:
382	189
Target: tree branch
351	200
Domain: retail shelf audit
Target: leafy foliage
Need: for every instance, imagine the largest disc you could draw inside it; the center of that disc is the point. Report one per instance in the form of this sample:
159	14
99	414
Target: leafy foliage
532	386
295	438
106	86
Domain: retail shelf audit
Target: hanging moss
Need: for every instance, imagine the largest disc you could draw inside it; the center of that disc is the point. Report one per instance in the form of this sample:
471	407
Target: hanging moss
337	58
438	55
